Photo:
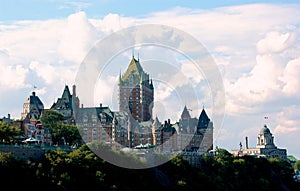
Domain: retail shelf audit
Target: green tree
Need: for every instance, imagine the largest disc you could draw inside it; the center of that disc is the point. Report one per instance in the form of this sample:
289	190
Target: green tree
297	165
53	121
8	133
70	134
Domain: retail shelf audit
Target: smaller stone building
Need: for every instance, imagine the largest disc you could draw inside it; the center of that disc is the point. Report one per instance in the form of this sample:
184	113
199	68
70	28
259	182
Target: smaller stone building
32	107
265	146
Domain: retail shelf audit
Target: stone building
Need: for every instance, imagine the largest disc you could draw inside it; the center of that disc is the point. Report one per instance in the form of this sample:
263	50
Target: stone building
188	135
95	123
195	134
67	104
7	119
132	126
136	92
35	129
31	125
32	107
265	146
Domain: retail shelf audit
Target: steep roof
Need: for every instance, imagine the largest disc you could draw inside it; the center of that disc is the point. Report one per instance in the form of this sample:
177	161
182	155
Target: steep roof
185	113
35	100
203	120
65	102
135	68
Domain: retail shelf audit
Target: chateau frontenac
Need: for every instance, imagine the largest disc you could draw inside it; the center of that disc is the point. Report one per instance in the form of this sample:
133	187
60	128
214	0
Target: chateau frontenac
132	126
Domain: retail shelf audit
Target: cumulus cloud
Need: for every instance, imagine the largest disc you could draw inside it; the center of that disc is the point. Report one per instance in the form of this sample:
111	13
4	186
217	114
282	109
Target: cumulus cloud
291	79
78	37
275	42
12	74
255	46
287	120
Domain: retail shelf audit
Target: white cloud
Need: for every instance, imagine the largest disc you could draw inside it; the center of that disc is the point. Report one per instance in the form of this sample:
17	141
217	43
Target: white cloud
275	42
287	120
291	79
256	46
106	92
78	37
191	72
12	74
112	23
260	85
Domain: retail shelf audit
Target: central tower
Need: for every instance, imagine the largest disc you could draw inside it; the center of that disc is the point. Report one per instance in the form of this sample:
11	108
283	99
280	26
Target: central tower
136	92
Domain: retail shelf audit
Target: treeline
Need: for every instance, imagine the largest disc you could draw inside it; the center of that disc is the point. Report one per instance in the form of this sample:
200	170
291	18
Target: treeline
81	169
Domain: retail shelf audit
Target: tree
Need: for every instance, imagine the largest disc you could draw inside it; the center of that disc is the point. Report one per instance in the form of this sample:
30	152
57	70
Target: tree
71	134
8	133
297	165
51	119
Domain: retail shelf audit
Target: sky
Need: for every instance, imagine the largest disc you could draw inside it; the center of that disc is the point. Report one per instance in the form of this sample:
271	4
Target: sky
254	44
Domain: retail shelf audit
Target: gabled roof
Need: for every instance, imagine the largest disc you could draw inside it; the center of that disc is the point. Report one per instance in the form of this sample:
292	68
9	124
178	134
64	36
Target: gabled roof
66	93
65	102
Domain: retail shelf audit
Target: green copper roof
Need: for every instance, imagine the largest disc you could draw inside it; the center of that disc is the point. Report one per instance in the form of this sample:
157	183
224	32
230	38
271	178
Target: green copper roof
134	67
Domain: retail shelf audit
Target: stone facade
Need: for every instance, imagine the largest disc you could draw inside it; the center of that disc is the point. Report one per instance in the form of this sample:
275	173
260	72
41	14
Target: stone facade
67	104
265	147
32	107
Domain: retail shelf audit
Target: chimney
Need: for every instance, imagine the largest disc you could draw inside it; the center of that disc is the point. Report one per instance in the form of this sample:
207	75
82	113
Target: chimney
246	142
8	116
81	105
100	104
33	94
169	121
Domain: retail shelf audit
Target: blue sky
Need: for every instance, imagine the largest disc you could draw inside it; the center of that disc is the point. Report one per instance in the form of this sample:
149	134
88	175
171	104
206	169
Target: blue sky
255	45
47	9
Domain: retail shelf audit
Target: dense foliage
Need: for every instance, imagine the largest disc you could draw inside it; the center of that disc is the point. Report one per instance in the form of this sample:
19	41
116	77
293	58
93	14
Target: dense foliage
82	169
9	133
61	133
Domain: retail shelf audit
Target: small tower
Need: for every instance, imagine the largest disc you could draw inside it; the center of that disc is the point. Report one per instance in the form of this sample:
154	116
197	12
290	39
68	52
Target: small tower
32	107
156	125
185	122
205	130
265	139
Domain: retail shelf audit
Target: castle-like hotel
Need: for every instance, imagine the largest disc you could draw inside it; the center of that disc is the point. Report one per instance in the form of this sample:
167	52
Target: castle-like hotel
133	126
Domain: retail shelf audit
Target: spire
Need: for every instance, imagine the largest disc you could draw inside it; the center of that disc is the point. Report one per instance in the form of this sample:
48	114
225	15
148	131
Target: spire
132	53
185	113
203	120
203	115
